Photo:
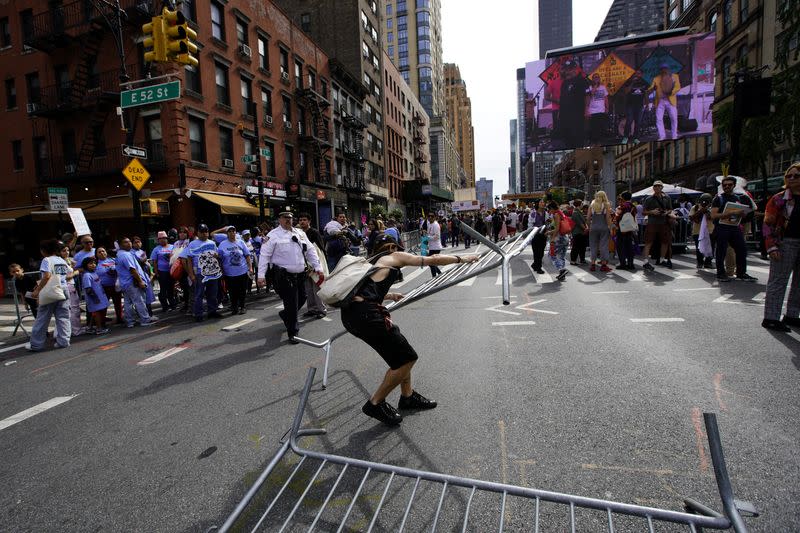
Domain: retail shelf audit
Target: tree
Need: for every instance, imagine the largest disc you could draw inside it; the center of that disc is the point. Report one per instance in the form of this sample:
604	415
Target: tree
396	214
377	210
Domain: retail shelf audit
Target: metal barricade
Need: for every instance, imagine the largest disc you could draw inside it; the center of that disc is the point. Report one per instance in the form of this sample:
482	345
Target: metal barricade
681	234
410	241
498	256
19	305
282	511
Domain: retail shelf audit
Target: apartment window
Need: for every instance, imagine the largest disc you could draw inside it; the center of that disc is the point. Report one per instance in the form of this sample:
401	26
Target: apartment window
5	33
390	24
221	79
249	146
712	22
99	138
34	88
41	157
389	9
390	50
193	79
266	101
303	159
305	22
287	109
709	145
423	18
197	140
686	4
269	169
424	58
263	53
401	6
284	62
16	155
289	151
364	20
744	10
727	79
247	96
312	81
673	14
301	121
742	55
11	94
390	37
26	21
217	21
241	32
225	143
188	9
727	17
323	88
686	151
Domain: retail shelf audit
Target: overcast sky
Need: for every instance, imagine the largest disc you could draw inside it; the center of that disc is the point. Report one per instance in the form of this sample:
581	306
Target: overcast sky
489	44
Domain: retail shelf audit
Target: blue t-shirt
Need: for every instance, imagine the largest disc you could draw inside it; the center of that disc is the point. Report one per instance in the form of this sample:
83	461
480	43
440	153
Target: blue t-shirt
126	261
234	257
160	256
59	267
96	299
204	258
80	256
107	271
393	233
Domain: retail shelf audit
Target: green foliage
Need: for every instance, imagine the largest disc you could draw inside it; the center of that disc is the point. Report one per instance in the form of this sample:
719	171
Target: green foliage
396	214
378	210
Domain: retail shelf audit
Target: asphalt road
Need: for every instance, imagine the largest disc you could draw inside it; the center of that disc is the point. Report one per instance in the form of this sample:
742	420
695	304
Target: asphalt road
561	390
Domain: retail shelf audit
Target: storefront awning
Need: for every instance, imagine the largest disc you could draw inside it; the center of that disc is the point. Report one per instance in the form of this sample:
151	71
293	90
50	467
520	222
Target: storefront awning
46	214
9	216
119	206
229	205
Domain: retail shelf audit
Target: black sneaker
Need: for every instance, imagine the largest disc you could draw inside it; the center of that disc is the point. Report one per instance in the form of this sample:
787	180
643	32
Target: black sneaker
292	340
538	271
562	274
791	321
775	325
382	412
746	277
723	279
648	267
668	263
415	401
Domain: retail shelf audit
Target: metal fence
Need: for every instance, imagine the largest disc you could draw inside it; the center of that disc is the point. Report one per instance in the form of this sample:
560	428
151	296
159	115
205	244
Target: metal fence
20	312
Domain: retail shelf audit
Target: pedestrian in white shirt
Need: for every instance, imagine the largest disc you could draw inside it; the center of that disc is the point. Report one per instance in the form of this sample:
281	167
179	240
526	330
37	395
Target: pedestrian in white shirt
434	241
289	254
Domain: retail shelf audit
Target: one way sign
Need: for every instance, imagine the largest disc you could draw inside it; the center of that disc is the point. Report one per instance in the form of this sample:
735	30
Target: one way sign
134	151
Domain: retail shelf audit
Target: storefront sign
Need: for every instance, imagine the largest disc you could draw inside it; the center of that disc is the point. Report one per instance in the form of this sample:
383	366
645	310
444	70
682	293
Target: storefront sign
339	198
268	191
465	205
427	190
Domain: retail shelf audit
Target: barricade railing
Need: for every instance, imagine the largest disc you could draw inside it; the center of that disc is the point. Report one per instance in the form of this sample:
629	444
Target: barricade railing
697	517
19	305
497	256
410	241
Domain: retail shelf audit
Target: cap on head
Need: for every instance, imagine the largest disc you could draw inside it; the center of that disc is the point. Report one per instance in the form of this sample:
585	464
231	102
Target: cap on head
202	228
287	214
161	235
231	229
705	197
384	240
658	183
246	232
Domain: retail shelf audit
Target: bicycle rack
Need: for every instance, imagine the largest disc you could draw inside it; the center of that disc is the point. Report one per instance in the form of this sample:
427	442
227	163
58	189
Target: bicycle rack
497	256
599	510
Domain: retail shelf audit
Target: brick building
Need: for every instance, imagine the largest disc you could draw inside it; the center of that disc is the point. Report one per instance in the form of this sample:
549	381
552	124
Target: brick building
62	86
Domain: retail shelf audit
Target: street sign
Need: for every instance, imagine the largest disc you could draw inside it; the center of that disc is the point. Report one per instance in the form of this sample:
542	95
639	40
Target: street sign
152	94
134	151
249	158
136	174
59	199
266	152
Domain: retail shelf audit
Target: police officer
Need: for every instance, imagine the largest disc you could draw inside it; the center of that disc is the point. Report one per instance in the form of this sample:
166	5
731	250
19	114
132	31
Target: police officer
290	256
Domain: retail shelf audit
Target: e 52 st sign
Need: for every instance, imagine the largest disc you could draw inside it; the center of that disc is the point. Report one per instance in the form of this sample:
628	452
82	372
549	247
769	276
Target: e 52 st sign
152	94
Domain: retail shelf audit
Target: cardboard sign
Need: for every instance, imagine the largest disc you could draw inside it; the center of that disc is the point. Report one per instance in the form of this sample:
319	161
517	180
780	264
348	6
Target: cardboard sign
79	221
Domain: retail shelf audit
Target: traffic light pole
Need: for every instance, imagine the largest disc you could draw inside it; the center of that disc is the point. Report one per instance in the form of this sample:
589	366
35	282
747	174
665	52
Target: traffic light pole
259	176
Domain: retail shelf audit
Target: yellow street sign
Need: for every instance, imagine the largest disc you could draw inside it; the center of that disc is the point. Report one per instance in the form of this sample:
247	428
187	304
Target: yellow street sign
136	174
613	73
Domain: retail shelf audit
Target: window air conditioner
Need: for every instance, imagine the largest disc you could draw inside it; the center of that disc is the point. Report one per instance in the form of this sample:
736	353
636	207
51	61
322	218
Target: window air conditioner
245	50
71	168
290	173
252	167
227	163
287	125
33	108
284	76
268	120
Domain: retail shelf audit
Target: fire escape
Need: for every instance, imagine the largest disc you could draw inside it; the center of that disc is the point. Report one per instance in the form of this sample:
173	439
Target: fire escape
354	181
419	141
85	96
317	138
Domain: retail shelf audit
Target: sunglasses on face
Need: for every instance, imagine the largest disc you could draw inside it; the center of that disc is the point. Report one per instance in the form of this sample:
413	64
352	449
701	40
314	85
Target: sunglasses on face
793	176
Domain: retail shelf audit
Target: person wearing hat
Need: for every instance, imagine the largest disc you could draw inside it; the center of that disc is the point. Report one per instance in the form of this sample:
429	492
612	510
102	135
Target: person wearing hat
366	318
289	255
666	86
236	267
658	208
699	211
159	258
572	104
201	262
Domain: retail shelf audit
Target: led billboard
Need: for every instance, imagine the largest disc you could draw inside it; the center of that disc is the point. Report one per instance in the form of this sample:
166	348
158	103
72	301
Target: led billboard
628	91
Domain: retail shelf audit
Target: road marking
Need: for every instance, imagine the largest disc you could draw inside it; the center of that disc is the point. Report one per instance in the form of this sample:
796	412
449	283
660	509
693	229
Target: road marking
726	299
718	390
407	279
657	320
499	280
279	306
163	355
8	349
327	319
696	289
760	297
699	437
496	309
33	411
521	323
467	282
238	325
527	307
611	292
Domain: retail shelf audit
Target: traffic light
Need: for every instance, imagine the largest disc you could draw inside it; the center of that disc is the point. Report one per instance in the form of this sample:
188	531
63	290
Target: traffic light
179	37
155	40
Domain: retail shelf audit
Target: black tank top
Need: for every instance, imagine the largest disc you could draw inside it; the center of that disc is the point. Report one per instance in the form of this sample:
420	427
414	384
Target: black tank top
792	230
375	291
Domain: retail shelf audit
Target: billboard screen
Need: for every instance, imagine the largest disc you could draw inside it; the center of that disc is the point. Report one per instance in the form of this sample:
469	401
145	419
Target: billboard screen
653	90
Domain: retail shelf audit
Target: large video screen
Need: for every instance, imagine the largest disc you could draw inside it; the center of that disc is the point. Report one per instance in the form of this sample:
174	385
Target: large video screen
654	90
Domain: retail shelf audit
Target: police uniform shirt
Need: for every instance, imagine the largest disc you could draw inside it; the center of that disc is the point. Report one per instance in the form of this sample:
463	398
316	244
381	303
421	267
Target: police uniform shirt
281	250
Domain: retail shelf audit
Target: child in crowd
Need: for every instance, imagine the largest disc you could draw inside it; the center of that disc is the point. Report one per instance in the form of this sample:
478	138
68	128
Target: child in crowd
24	285
96	299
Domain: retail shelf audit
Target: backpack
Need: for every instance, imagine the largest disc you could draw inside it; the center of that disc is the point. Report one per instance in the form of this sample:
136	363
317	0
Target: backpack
343	283
627	223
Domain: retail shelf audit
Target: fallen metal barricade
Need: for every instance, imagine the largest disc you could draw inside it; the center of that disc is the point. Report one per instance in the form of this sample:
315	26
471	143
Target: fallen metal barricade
282	511
19	304
498	256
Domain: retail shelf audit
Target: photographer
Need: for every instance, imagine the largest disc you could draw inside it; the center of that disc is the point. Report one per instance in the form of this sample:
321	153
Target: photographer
702	209
658	209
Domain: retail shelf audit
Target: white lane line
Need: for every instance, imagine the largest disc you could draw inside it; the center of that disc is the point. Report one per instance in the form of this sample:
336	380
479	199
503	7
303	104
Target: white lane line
760	297
33	411
521	323
499	280
238	325
410	277
279	306
163	355
612	292
467	282
697	289
326	319
12	347
657	320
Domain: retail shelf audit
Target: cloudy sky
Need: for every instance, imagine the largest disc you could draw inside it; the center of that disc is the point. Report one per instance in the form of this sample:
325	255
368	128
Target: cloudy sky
489	44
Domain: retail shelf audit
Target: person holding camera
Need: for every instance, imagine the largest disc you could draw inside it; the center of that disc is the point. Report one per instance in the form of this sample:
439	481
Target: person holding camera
290	255
658	209
702	209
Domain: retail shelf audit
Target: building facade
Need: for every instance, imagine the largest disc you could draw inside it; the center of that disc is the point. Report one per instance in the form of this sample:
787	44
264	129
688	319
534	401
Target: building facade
459	112
555	25
632	17
522	148
261	83
484	190
513	169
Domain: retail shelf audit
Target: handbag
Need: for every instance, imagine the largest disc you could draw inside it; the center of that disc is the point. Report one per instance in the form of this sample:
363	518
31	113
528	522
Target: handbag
349	275
627	223
566	226
52	291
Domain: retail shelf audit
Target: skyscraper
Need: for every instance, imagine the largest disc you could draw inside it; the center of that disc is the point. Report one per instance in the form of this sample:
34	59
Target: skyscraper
555	25
459	111
513	169
632	17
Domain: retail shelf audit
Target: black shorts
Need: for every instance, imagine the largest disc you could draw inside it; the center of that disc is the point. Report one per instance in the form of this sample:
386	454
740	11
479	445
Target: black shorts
372	324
